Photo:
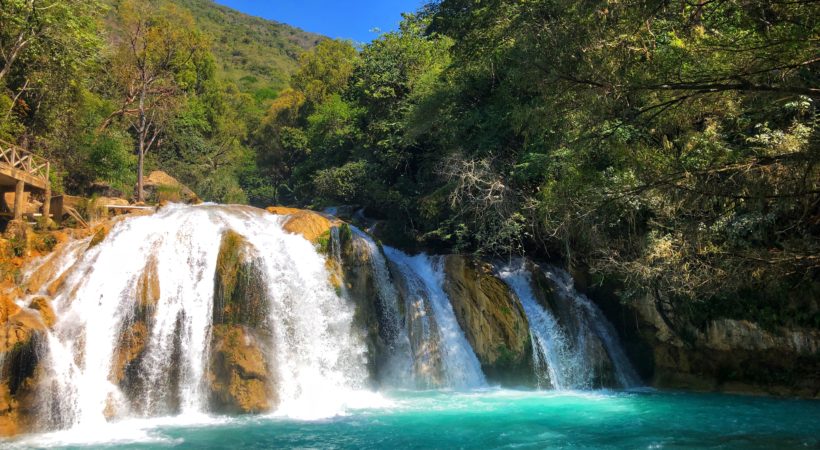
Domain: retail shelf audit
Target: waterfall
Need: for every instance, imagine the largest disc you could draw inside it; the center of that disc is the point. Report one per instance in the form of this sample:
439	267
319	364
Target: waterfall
555	363
319	360
562	355
398	369
624	372
148	325
424	279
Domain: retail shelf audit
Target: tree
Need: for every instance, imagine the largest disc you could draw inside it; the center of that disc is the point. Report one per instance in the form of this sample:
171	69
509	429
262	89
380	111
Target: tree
62	25
43	46
325	70
154	65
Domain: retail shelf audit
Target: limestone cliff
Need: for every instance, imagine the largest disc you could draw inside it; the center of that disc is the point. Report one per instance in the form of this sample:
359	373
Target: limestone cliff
731	355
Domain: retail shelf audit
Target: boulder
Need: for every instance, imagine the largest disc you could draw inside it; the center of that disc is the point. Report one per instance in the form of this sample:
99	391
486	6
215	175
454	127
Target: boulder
239	377
240	290
309	224
492	318
360	288
160	187
100	207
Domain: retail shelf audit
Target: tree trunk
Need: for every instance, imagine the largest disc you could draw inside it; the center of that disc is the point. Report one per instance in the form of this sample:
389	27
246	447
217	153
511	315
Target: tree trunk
140	192
142	134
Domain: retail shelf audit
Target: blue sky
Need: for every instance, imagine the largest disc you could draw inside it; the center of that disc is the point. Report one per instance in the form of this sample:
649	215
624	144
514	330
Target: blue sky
347	19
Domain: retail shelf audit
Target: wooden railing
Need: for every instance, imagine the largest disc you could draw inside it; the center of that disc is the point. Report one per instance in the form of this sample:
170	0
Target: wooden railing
23	160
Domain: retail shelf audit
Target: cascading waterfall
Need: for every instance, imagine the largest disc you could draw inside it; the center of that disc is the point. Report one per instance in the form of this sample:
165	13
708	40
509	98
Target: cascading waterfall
398	371
624	372
319	360
562	361
144	319
555	363
424	278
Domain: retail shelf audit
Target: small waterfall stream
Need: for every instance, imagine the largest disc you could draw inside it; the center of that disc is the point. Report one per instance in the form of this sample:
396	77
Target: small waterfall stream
424	278
398	371
555	363
624	372
562	355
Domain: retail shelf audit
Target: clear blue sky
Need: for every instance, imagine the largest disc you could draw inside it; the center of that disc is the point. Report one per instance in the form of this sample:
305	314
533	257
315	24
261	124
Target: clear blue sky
347	19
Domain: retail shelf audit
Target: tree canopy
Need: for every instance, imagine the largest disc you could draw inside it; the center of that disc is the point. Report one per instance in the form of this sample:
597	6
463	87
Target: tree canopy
664	147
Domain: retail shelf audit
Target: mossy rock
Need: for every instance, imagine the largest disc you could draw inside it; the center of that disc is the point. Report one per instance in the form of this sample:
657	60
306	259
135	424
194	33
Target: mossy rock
240	291
240	376
492	318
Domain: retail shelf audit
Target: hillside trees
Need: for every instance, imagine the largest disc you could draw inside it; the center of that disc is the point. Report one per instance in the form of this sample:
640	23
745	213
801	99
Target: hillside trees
672	145
44	45
668	146
154	64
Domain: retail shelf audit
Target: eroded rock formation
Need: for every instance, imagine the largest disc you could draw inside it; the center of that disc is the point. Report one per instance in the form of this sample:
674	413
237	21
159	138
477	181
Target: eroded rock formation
309	224
492	319
241	376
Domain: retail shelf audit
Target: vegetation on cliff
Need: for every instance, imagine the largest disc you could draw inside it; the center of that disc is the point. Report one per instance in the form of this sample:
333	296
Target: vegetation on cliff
670	149
92	84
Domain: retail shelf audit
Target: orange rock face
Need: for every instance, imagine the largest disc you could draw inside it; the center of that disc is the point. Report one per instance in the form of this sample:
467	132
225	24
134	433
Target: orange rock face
491	316
309	224
240	379
18	328
43	305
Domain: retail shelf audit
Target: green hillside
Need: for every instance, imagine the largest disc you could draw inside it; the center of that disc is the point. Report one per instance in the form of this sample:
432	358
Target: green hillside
257	54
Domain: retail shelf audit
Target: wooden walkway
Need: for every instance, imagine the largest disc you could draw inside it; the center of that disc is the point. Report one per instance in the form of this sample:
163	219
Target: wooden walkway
21	171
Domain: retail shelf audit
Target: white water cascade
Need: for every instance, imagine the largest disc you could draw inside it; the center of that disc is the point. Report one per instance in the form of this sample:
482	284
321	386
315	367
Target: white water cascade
424	279
624	372
146	327
320	361
555	363
562	358
398	370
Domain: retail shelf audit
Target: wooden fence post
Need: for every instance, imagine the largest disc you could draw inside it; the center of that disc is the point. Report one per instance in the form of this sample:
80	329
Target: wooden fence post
18	200
47	199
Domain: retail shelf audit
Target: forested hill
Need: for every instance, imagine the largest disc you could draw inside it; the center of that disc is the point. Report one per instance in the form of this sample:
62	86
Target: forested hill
258	55
106	87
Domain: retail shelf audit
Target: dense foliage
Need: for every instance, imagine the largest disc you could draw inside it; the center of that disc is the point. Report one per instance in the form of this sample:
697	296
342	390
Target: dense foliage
88	83
670	147
667	147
